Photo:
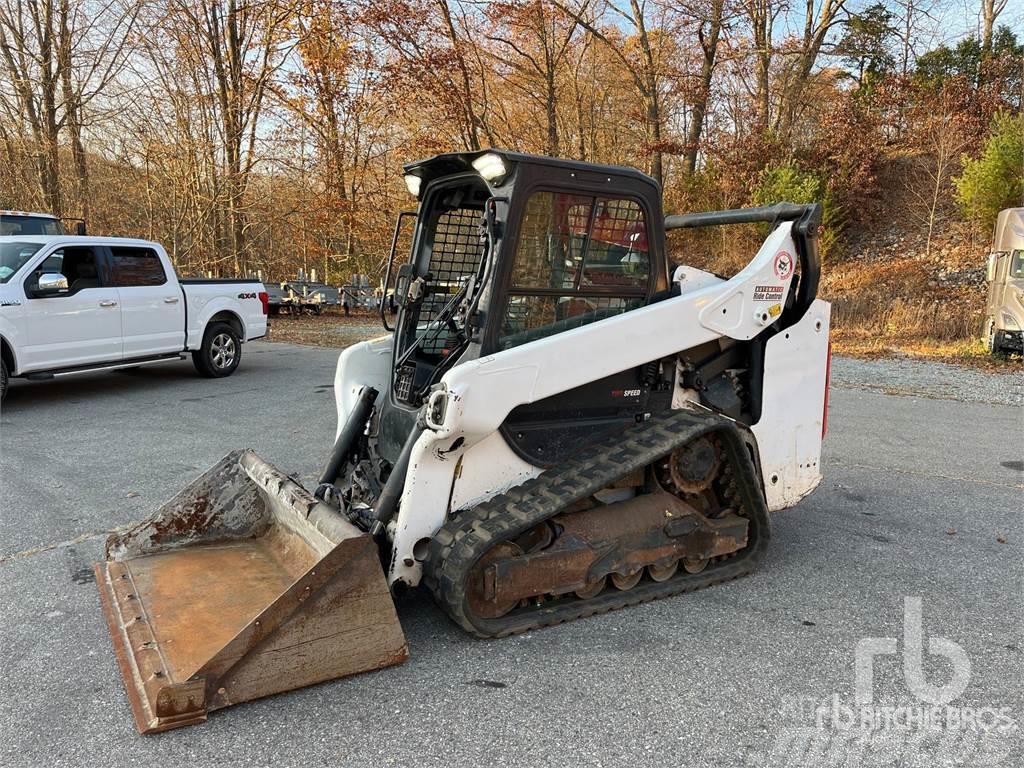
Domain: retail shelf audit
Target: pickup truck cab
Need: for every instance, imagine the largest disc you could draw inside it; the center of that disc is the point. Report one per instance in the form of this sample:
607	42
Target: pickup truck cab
72	304
25	223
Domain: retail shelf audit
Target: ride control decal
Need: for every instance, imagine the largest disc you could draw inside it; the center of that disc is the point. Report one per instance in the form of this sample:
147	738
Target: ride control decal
783	265
768	293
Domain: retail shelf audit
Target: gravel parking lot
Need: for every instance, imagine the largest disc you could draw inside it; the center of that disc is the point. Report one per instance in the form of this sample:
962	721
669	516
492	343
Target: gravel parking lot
921	498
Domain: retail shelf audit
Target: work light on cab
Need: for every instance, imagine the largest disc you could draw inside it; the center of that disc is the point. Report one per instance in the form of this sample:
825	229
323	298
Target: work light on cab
413	183
491	167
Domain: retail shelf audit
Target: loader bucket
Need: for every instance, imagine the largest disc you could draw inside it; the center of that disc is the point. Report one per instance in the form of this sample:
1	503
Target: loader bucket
241	586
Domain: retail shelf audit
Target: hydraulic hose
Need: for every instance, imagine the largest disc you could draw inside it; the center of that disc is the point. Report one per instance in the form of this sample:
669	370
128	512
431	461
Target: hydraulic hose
354	426
388	500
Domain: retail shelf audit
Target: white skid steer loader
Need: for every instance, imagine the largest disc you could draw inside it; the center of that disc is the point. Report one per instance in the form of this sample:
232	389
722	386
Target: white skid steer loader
555	427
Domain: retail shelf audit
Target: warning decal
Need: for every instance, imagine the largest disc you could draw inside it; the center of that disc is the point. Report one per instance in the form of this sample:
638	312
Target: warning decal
783	265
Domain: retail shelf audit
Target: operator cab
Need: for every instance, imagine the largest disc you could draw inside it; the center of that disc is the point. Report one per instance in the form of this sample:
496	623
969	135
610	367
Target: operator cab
509	249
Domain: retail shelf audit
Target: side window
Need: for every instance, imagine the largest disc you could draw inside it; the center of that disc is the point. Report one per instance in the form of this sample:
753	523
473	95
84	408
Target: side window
132	267
79	265
552	238
617	256
1017	264
579	259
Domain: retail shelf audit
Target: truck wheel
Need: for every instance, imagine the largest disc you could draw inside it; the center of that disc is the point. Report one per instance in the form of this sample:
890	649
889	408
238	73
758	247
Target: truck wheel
3	380
221	351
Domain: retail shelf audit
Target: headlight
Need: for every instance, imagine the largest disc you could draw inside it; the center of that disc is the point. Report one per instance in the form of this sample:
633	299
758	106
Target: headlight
413	183
1010	322
491	167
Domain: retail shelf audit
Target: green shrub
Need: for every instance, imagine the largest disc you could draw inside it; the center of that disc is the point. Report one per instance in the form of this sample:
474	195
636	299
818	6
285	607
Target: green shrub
788	183
995	180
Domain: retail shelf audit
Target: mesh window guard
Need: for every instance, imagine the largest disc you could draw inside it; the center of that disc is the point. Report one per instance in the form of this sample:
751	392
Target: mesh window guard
456	254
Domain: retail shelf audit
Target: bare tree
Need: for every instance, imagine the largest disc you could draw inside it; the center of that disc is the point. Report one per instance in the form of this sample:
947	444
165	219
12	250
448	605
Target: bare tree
646	71
59	56
990	10
236	51
818	22
941	138
539	37
761	15
710	18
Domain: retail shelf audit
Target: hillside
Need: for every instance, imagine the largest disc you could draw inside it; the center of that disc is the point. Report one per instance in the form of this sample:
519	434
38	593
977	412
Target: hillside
891	295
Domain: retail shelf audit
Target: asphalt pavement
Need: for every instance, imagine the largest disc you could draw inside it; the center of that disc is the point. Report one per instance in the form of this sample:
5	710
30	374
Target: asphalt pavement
922	498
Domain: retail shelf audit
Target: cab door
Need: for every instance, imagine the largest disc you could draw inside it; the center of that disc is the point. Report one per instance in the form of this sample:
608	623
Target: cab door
579	259
152	305
78	326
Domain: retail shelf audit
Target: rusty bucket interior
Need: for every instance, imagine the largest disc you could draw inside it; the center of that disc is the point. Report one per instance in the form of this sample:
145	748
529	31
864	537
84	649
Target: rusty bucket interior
241	586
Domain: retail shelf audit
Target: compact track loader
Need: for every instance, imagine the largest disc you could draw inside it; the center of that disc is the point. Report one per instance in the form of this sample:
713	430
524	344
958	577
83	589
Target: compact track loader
558	425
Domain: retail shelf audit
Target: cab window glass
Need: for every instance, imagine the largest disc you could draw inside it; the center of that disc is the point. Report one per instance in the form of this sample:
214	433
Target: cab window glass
29	225
1017	264
552	238
131	267
529	318
79	265
617	253
13	257
579	259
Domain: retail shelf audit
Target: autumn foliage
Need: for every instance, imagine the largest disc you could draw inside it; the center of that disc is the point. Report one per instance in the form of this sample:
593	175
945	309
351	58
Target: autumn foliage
269	135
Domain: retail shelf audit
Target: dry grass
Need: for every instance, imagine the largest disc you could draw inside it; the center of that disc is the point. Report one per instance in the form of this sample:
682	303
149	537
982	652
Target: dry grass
331	329
967	352
897	308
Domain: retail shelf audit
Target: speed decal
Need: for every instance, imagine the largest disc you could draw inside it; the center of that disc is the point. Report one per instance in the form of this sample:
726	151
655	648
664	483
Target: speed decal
783	265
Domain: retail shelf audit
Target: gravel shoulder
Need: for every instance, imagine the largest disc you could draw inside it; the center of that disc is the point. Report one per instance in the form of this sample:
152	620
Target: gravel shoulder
940	381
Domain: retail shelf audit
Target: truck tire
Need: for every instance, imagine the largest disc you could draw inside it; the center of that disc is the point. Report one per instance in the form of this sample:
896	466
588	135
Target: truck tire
3	380
220	353
989	335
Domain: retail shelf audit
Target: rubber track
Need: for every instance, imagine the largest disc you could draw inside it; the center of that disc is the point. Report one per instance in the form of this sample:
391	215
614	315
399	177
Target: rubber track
468	535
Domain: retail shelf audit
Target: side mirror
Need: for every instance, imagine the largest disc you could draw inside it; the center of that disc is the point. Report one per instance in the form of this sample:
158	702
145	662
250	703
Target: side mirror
51	284
80	228
990	271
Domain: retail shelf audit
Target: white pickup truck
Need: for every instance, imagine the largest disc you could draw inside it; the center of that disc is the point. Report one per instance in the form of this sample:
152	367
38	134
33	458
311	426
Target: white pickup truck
72	304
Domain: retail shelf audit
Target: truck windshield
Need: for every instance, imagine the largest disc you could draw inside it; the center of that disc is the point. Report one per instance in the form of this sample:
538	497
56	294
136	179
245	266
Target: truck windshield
1017	264
13	257
29	225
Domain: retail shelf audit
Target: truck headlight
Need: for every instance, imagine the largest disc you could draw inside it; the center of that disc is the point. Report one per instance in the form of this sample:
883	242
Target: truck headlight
1010	322
491	167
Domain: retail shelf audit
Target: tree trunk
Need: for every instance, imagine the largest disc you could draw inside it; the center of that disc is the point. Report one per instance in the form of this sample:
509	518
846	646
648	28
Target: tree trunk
709	46
551	104
759	13
471	123
649	77
990	10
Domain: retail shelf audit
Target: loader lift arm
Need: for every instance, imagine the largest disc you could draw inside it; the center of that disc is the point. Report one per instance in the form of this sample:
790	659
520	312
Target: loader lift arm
805	230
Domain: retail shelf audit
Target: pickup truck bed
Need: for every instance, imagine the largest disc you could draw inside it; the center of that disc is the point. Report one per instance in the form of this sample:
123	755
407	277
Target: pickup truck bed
74	304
